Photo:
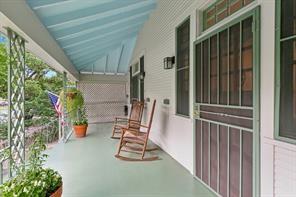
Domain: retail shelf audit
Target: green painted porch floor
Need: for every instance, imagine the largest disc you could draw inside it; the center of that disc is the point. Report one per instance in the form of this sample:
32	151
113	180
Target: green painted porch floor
89	168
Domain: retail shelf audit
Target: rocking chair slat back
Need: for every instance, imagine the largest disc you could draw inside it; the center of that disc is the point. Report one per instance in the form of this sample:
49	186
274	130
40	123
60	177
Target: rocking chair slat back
137	110
133	121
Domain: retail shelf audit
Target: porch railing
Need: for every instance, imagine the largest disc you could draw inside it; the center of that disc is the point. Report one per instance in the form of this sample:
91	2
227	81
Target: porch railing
50	134
4	164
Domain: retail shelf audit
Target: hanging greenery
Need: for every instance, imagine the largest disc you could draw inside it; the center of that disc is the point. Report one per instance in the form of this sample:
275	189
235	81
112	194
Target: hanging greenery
75	103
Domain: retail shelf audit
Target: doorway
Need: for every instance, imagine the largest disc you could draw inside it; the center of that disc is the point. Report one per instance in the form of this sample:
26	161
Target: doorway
226	108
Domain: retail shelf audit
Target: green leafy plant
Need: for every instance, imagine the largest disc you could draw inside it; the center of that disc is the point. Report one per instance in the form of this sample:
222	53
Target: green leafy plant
75	106
74	101
81	118
33	180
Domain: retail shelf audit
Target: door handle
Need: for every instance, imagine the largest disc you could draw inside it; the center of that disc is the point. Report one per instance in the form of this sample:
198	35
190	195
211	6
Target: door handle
196	113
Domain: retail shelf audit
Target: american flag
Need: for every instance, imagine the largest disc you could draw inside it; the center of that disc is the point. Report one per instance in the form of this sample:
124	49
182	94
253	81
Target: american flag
55	101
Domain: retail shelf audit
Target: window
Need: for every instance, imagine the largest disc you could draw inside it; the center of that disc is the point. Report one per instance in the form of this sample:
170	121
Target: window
142	79
286	70
220	10
183	50
224	66
136	82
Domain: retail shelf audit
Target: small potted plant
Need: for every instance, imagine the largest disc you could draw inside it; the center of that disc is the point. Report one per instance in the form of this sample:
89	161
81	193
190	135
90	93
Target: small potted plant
33	179
80	124
76	111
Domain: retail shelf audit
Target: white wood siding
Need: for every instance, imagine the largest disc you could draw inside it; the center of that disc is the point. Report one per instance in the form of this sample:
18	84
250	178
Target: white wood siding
278	159
174	133
157	41
285	172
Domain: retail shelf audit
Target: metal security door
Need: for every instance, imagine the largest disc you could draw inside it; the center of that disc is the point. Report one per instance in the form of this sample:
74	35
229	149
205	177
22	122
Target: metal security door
226	108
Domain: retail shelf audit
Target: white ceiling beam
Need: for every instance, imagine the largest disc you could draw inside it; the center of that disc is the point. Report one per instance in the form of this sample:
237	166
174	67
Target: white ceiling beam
119	59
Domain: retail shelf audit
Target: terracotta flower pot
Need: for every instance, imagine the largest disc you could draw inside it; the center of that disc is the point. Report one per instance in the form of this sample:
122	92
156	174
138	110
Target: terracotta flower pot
58	192
80	130
71	94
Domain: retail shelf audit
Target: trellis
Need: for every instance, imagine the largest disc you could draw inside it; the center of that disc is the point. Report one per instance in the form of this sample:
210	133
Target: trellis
16	100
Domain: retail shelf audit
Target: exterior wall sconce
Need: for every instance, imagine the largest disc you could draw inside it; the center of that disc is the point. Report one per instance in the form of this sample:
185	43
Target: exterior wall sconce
142	75
168	62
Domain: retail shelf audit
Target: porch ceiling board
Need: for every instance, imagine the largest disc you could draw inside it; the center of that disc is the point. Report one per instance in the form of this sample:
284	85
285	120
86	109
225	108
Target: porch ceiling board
72	28
43	4
98	45
81	54
104	47
103	29
97	37
95	29
97	67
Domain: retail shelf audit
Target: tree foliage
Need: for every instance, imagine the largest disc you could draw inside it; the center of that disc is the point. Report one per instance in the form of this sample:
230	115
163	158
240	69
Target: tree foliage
3	71
39	78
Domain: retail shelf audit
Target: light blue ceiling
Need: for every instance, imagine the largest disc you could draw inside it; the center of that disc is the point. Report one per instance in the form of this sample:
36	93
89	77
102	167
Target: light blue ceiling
98	36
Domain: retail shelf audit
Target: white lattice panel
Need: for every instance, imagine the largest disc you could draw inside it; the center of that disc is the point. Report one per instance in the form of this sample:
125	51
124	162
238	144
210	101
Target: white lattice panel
103	101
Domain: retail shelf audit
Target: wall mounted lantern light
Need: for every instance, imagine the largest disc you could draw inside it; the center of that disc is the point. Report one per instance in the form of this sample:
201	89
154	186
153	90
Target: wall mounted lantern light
168	62
142	75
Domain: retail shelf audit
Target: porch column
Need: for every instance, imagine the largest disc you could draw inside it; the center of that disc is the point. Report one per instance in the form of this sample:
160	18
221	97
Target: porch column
67	126
16	100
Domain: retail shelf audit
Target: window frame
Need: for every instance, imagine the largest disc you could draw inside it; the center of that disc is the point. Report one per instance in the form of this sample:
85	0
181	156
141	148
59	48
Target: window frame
256	13
226	8
136	74
277	83
176	68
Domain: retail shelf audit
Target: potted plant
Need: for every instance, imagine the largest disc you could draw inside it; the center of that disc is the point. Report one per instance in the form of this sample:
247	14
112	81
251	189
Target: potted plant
80	124
76	111
33	179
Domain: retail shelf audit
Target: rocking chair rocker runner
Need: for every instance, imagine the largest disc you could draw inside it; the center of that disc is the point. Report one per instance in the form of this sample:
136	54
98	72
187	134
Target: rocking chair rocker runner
131	137
132	122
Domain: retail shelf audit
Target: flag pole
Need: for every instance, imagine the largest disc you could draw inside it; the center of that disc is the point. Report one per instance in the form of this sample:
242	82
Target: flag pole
60	128
60	118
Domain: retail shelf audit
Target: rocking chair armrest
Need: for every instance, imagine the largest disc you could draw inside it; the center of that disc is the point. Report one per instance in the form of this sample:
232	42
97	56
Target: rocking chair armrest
130	130
121	118
137	123
144	126
123	130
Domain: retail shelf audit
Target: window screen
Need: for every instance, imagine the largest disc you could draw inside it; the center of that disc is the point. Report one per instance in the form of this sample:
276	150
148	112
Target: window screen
287	45
183	49
220	10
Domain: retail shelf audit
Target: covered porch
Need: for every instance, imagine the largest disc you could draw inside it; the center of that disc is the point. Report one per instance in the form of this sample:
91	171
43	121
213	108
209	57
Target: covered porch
117	51
222	73
89	168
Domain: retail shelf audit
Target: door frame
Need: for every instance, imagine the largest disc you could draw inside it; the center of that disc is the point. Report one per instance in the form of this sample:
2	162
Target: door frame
255	12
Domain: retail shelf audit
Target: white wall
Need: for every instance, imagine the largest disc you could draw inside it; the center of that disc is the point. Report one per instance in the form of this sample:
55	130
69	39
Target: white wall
278	159
156	41
174	133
